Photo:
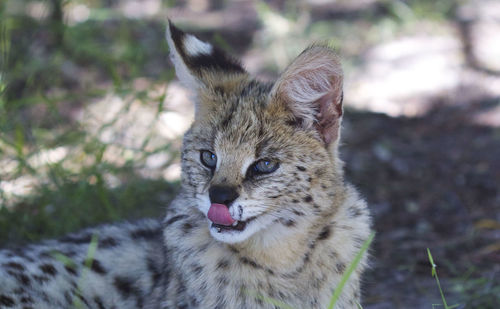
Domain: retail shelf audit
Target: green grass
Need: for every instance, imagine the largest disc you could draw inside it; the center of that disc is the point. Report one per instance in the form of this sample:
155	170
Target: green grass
74	205
47	69
472	289
68	262
339	288
480	292
476	289
434	274
91	251
355	262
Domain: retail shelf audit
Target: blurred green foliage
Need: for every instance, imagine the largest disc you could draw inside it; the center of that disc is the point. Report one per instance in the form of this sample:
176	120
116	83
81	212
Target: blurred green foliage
48	70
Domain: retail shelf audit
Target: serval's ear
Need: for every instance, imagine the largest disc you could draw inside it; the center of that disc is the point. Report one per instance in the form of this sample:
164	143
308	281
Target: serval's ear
311	89
199	64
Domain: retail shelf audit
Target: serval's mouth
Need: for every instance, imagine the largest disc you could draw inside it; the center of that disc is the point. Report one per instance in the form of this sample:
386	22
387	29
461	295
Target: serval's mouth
235	226
223	222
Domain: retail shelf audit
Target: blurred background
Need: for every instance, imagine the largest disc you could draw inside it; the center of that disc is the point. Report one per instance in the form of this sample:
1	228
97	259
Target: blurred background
91	119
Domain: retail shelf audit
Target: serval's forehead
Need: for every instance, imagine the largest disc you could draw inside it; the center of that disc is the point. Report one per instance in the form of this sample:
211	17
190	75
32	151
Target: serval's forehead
238	114
244	97
242	123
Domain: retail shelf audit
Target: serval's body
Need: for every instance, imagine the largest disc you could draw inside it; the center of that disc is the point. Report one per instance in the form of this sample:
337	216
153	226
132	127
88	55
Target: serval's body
264	216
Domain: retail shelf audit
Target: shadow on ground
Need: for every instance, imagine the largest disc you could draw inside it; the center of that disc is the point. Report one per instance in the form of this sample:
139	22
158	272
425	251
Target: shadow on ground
431	182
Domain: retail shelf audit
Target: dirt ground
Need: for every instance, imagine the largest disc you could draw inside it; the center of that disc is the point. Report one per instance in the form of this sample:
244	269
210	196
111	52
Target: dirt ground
431	182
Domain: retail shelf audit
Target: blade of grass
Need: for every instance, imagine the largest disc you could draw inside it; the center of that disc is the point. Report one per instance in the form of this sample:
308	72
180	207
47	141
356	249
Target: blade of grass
67	261
88	264
338	290
350	269
434	274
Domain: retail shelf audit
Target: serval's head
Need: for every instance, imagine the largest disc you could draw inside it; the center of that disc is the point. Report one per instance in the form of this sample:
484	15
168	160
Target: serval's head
260	160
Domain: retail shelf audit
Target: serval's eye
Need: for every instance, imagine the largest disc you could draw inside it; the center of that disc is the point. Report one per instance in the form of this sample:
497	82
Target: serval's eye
265	166
208	158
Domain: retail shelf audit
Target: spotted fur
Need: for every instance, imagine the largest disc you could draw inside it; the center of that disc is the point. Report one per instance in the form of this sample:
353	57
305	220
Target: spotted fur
303	224
61	273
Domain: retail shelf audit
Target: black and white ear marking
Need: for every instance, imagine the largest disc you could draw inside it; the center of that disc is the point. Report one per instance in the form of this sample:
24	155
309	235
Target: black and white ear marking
175	39
195	47
186	45
195	61
311	88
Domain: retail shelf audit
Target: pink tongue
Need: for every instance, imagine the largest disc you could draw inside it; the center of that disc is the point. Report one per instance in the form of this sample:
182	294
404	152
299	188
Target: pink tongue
219	214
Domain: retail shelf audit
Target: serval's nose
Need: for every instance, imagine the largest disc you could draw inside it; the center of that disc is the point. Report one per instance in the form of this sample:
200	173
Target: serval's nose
222	194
